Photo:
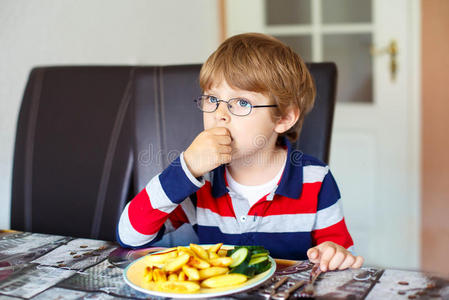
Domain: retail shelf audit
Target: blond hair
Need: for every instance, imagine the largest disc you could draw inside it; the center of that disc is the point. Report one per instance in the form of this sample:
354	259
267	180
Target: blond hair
263	64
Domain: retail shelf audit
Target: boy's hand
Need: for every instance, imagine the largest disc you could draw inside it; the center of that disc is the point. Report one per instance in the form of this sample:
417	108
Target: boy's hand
332	256
211	148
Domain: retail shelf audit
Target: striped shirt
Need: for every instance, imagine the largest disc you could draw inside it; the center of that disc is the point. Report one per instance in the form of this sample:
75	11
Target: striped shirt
302	211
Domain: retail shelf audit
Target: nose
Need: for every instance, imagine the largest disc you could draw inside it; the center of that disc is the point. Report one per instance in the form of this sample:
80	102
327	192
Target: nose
222	113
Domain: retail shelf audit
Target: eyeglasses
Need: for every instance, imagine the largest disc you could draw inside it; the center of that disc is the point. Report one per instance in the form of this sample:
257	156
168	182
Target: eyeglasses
236	106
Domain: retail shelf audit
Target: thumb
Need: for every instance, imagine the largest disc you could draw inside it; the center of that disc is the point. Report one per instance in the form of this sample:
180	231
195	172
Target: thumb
313	255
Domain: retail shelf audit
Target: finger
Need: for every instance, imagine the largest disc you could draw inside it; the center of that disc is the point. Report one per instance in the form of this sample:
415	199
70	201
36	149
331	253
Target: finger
313	255
224	140
225	158
337	260
224	149
220	131
349	261
358	262
326	256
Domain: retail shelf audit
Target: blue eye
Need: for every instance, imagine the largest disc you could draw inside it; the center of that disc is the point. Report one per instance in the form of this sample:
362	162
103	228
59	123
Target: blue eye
243	103
213	99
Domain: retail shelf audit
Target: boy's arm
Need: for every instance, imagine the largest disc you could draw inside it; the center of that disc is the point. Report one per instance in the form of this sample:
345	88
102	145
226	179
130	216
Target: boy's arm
330	234
330	223
142	221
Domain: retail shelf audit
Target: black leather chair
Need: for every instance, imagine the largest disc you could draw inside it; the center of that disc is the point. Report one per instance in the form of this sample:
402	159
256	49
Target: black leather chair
73	157
89	138
165	122
315	138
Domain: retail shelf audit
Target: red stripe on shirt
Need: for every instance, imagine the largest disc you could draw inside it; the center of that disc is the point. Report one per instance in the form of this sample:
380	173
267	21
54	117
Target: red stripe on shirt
221	205
144	219
178	217
307	203
337	233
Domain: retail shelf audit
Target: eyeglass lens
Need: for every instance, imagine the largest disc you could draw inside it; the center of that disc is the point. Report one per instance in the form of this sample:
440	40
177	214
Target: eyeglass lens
236	106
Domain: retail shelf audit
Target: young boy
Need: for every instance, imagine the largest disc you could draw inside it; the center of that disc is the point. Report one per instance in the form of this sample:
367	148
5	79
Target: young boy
240	182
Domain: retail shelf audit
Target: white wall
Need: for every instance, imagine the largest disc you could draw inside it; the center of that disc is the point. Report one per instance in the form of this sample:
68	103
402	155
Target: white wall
69	32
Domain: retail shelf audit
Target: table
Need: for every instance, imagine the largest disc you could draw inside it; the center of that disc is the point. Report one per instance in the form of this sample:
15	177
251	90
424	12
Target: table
42	266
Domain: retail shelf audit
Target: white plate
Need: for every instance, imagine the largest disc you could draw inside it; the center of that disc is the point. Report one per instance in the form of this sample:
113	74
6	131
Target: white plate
133	276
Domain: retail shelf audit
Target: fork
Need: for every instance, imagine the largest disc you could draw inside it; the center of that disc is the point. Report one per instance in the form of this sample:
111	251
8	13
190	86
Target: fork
286	294
309	290
268	293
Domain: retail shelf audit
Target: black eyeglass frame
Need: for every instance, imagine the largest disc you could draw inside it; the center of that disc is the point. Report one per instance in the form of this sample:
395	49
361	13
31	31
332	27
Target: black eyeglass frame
198	99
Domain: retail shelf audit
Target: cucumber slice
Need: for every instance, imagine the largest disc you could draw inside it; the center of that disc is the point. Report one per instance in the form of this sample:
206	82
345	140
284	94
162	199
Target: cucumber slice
239	256
244	269
258	260
259	255
260	251
255	249
261	269
260	264
252	248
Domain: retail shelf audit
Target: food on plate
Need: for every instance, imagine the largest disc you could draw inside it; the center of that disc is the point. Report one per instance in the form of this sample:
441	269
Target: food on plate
224	280
187	269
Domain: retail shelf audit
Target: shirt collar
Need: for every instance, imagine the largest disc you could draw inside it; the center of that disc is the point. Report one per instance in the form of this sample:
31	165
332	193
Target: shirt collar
290	184
219	182
291	181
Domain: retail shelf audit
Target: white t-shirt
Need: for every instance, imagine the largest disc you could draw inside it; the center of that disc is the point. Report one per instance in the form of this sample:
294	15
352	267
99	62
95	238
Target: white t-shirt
253	193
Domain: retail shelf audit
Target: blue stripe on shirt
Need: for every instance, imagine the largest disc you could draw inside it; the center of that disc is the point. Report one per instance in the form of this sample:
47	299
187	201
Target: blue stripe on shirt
288	245
329	193
175	183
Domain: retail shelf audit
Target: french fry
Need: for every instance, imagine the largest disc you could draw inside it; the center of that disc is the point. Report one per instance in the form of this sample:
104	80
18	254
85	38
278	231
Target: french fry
192	273
212	271
215	247
148	274
158	259
182	250
177	263
182	276
212	255
222	252
159	275
221	261
177	286
198	263
200	251
173	277
224	280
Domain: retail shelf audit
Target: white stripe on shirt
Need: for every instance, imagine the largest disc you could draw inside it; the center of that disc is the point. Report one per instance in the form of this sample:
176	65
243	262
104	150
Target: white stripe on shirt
206	217
329	216
269	224
158	198
285	223
189	210
128	234
314	173
189	175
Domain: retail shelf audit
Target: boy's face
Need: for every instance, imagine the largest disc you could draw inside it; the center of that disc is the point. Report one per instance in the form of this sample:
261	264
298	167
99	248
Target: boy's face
250	133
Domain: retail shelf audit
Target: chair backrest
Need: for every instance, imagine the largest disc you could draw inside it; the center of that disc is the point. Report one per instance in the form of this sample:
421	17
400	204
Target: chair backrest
315	138
89	138
73	157
166	121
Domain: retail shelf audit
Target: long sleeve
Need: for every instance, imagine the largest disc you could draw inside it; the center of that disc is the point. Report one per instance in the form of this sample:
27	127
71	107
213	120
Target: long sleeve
157	208
330	223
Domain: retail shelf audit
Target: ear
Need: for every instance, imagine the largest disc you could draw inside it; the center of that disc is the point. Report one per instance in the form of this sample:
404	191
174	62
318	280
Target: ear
287	121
